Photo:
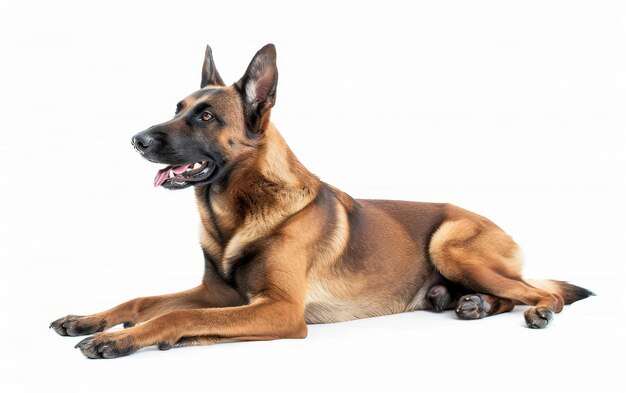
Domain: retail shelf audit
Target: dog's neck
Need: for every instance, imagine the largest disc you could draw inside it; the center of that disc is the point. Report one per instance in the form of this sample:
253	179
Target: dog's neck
277	163
269	181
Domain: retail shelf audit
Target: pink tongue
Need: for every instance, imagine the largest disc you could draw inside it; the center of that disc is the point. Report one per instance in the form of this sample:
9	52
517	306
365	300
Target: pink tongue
161	177
180	169
164	174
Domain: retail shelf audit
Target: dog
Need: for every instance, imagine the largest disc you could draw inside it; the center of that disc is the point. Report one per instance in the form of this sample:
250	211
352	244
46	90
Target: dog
283	249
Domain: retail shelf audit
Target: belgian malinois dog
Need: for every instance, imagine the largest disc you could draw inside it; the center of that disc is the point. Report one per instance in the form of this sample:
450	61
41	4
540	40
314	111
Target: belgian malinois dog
283	249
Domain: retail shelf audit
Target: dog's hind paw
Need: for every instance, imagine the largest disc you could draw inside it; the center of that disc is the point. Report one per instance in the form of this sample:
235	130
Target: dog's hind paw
439	297
77	325
473	307
538	317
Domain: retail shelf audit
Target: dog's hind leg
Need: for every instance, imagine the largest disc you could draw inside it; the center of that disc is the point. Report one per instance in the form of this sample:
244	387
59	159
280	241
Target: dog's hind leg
473	252
144	308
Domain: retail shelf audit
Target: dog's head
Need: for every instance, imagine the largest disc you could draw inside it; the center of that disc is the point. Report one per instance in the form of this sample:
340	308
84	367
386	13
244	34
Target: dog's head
213	127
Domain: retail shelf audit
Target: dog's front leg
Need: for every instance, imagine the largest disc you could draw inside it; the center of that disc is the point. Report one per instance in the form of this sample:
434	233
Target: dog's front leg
263	319
275	284
141	309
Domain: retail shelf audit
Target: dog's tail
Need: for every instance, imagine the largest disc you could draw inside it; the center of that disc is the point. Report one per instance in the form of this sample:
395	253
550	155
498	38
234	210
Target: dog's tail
569	292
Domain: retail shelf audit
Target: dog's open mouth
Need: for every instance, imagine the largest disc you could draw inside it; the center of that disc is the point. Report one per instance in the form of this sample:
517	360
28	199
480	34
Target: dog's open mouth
181	176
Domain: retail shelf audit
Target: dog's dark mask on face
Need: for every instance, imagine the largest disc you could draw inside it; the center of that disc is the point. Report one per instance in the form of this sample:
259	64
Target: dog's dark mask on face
213	126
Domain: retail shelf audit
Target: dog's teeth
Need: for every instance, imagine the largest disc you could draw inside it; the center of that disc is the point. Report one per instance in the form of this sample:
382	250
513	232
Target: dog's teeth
171	173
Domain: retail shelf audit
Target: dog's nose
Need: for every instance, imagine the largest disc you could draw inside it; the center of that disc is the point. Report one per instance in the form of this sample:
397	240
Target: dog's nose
142	141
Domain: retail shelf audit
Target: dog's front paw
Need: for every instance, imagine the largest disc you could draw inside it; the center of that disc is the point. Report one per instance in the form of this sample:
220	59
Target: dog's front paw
77	325
107	345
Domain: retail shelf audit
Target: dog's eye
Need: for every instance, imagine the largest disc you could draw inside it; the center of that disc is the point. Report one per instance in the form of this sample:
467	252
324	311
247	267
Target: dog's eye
206	116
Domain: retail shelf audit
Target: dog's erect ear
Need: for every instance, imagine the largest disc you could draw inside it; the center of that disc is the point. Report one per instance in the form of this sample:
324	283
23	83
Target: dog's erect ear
258	88
258	84
210	76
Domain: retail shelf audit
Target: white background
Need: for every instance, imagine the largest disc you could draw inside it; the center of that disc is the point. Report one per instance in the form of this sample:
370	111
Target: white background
515	110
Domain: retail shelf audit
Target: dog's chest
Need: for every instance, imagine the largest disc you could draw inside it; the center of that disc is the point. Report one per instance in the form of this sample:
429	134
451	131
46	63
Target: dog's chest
333	300
322	305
